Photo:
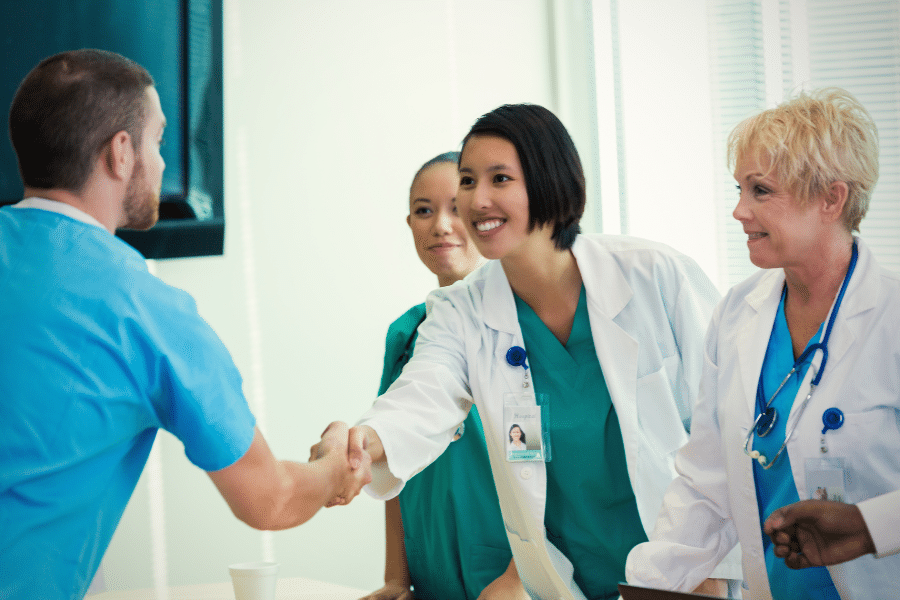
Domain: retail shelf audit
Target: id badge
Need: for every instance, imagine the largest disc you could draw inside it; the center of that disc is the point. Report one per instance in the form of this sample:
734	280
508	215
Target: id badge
826	479
526	437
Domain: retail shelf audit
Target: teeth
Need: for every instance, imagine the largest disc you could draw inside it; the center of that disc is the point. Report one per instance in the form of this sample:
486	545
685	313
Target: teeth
488	225
756	236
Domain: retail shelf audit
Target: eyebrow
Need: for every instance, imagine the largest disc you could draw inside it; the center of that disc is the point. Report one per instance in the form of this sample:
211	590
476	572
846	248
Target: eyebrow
428	200
492	168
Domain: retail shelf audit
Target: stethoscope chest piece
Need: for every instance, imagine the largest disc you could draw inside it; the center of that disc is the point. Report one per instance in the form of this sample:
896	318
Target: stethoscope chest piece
766	421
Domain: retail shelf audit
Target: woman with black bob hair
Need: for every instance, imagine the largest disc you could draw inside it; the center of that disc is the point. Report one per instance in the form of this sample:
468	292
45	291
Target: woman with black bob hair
594	341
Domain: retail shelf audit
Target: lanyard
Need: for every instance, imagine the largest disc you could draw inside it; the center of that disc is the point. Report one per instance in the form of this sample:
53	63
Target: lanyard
765	422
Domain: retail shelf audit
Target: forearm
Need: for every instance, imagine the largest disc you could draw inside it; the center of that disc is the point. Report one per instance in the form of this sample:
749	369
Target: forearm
305	488
266	493
507	586
396	569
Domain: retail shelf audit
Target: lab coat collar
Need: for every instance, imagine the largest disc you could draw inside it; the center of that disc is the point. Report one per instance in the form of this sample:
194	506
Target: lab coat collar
607	289
499	303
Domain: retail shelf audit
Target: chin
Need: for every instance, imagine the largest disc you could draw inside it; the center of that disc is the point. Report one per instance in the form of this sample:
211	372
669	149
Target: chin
144	215
763	262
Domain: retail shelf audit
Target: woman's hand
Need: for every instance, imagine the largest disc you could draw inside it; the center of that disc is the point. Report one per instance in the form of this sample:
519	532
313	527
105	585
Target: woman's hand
342	449
713	587
392	590
506	587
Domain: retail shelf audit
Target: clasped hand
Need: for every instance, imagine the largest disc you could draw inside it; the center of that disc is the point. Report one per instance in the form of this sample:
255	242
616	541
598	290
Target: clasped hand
343	450
815	533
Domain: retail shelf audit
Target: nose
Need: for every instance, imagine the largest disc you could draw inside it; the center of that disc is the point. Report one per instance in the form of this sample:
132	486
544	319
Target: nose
741	212
481	196
443	223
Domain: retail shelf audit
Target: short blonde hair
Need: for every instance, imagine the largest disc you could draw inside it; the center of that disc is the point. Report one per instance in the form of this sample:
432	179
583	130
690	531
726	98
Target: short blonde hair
812	141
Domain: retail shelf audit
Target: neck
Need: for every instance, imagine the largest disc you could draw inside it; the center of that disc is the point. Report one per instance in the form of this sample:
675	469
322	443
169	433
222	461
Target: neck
534	275
819	280
445	280
83	201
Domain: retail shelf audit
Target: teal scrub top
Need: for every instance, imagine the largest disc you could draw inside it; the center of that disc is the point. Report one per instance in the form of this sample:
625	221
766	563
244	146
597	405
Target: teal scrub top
455	539
591	514
775	487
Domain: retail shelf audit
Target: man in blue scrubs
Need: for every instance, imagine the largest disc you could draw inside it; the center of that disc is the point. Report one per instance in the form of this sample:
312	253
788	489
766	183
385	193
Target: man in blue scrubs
98	354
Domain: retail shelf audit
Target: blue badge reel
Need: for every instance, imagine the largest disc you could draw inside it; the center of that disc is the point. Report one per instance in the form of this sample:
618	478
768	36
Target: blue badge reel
827	476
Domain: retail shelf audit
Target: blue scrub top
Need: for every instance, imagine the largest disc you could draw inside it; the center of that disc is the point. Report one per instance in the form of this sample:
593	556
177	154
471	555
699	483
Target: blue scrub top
97	355
591	514
456	542
775	487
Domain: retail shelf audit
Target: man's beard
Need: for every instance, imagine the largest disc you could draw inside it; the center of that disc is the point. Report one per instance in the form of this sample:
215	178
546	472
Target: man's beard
141	203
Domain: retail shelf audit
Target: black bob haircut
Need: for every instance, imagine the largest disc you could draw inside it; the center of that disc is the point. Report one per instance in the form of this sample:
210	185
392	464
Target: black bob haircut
554	179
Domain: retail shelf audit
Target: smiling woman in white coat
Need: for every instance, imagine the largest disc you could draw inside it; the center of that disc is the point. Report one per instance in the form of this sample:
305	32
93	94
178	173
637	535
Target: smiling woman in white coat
800	396
594	342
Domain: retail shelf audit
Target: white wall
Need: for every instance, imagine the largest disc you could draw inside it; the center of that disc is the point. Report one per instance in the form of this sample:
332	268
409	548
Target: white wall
331	106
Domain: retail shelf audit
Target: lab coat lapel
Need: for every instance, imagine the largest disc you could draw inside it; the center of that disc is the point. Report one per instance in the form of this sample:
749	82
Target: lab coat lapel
753	337
608	293
500	315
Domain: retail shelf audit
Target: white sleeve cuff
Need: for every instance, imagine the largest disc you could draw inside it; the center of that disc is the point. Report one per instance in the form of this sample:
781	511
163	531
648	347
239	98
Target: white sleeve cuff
882	517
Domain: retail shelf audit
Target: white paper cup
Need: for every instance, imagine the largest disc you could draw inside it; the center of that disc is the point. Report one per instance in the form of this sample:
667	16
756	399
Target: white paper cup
254	580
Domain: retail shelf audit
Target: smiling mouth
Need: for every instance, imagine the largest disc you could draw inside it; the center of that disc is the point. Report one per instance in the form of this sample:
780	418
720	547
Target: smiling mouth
756	235
443	246
489	225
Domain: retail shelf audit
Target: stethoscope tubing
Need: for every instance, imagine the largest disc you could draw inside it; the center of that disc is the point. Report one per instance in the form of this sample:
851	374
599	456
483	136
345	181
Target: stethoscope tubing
807	354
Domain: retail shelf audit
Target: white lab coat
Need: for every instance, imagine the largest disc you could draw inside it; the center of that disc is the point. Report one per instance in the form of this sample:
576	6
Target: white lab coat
713	503
648	307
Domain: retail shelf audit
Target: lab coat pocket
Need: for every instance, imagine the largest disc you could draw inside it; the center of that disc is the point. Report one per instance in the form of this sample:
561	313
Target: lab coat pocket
658	416
868	441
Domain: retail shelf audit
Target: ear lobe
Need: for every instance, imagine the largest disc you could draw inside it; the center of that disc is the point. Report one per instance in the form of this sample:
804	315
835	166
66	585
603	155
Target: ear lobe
120	156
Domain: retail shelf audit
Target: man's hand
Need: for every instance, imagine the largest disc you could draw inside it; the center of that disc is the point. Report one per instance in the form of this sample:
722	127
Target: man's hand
343	452
814	533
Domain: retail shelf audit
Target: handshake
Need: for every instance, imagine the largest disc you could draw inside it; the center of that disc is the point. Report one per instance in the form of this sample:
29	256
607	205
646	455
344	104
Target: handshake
346	454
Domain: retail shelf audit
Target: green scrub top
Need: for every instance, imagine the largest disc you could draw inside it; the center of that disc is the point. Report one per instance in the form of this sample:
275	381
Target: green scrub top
455	539
591	515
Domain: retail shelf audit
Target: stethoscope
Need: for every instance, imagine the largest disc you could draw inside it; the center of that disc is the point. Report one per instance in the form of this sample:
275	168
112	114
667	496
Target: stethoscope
833	418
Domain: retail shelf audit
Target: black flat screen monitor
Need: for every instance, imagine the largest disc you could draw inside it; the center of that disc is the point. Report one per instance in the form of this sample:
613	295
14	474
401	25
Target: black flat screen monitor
180	43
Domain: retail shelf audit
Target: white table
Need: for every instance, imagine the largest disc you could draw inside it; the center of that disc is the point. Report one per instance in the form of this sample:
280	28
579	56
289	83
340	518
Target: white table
289	588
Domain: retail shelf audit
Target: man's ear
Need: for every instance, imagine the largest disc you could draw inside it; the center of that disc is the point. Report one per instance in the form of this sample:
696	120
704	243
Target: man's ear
120	156
835	200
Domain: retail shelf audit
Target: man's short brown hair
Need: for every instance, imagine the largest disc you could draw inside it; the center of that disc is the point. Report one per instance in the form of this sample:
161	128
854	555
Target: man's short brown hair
68	108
